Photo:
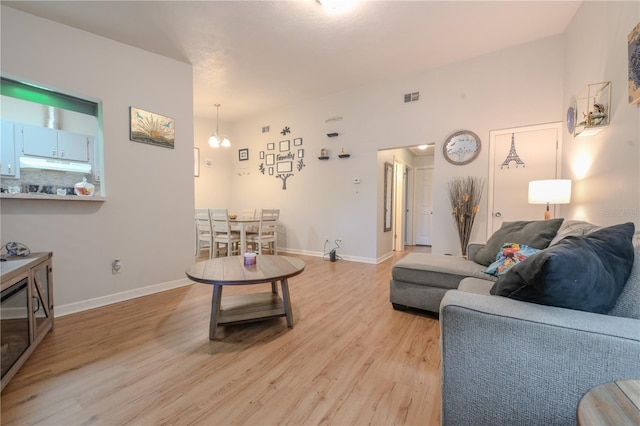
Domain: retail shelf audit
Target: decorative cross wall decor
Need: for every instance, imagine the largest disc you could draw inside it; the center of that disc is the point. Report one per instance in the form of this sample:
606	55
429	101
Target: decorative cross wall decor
279	158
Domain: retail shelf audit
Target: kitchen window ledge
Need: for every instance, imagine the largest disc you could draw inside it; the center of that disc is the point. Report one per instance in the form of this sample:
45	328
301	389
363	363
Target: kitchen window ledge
37	196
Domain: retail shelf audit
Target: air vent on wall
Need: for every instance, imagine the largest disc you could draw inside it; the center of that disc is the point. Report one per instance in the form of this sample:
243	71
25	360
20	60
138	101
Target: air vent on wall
411	97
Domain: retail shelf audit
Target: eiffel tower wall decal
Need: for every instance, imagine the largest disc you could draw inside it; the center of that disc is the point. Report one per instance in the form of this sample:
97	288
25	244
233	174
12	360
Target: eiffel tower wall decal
512	156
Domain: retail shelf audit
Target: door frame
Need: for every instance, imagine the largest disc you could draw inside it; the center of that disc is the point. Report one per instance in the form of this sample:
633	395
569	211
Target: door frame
492	137
409	201
398	204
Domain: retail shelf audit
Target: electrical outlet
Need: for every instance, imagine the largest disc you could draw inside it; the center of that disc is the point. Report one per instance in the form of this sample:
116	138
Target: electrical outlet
116	266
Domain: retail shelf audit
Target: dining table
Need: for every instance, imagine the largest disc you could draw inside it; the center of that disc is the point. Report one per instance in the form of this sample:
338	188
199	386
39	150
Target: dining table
244	225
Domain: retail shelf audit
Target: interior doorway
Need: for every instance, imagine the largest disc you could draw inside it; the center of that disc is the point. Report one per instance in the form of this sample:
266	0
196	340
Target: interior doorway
412	213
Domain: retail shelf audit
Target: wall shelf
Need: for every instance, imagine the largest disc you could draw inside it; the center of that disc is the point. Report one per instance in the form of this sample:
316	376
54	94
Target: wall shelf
593	109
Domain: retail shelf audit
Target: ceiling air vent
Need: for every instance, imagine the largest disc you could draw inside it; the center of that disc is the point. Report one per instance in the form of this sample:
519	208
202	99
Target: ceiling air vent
411	97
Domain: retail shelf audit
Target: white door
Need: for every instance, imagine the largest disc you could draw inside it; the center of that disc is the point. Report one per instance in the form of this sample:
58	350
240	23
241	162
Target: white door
424	205
516	157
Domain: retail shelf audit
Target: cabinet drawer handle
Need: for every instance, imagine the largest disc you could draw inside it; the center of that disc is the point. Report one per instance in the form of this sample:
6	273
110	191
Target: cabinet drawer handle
37	303
62	153
53	151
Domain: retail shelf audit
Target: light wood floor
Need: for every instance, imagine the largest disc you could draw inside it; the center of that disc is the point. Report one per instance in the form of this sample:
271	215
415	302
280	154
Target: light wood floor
349	360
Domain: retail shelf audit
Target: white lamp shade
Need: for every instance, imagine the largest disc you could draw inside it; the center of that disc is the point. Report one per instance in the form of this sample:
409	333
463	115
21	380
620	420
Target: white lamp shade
213	141
551	191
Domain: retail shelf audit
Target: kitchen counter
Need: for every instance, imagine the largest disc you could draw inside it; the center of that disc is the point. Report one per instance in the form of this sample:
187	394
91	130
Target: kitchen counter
41	196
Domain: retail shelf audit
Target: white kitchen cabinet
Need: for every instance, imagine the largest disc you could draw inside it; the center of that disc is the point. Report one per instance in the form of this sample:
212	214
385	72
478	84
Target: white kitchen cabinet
74	146
52	143
8	152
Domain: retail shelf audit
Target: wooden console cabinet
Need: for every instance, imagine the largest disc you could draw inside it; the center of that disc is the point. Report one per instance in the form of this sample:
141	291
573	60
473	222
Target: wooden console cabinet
26	312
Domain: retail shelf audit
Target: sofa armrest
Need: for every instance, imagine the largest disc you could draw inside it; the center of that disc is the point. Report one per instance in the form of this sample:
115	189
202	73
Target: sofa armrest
472	249
511	362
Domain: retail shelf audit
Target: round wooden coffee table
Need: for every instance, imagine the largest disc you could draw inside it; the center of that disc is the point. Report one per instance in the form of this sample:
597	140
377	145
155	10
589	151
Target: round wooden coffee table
247	307
613	403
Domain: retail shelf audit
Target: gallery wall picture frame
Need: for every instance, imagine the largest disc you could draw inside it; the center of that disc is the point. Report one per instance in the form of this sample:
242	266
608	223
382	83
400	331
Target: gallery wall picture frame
634	65
297	142
151	128
285	146
243	154
262	155
301	153
196	162
271	159
271	146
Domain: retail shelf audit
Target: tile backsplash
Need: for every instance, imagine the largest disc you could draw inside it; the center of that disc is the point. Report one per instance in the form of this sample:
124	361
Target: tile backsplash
49	178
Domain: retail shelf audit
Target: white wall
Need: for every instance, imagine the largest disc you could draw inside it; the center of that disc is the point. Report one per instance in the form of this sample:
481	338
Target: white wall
514	87
211	187
147	219
604	168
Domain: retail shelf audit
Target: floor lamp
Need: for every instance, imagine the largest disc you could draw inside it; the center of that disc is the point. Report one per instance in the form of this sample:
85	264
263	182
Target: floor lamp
550	191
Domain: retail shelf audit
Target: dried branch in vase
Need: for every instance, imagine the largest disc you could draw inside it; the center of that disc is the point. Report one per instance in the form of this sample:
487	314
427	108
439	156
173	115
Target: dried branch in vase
465	194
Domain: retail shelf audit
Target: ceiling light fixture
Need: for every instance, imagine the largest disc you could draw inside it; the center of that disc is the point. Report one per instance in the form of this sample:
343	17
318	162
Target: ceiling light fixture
216	139
337	6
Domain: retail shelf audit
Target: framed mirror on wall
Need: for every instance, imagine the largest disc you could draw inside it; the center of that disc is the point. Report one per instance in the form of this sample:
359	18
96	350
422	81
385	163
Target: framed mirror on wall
388	195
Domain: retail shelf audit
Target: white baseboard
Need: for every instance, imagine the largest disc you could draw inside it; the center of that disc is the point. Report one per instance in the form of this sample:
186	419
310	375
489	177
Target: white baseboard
344	257
97	302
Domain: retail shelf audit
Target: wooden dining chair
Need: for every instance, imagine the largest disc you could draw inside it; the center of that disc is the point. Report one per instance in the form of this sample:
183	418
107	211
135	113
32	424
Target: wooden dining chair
203	231
222	233
250	214
267	236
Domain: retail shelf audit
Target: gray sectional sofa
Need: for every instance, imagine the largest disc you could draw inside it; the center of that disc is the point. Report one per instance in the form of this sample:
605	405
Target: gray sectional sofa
511	362
420	280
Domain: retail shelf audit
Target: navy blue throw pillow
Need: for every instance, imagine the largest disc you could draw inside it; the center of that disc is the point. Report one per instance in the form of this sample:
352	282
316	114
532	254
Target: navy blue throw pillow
586	273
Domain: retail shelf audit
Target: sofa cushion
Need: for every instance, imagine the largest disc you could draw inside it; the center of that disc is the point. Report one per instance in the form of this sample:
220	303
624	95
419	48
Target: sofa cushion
628	304
585	273
509	255
573	228
537	234
436	270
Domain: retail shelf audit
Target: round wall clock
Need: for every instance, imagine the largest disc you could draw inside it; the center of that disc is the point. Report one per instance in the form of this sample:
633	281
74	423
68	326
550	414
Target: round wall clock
571	119
461	147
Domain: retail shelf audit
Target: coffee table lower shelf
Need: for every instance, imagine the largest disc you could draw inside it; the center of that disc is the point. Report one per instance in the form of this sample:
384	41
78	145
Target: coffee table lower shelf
244	308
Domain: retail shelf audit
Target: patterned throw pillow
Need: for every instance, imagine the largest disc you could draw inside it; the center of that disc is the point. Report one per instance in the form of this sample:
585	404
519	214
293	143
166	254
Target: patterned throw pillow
509	255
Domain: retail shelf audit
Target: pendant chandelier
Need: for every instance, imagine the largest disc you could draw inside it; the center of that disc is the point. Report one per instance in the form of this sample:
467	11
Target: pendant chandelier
216	139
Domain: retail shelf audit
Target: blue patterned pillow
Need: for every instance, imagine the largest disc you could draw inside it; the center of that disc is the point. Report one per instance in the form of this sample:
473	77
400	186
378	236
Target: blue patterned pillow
509	255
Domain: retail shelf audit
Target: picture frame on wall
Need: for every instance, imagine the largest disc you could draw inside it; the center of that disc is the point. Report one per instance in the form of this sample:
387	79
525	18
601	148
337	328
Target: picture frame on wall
151	128
297	142
271	146
271	159
634	65
262	155
285	146
243	154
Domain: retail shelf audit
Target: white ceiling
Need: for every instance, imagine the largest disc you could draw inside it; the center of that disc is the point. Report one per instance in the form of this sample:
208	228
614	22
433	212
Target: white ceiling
253	56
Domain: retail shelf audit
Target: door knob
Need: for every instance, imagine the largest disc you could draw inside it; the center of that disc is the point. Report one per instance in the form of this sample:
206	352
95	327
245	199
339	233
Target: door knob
497	214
